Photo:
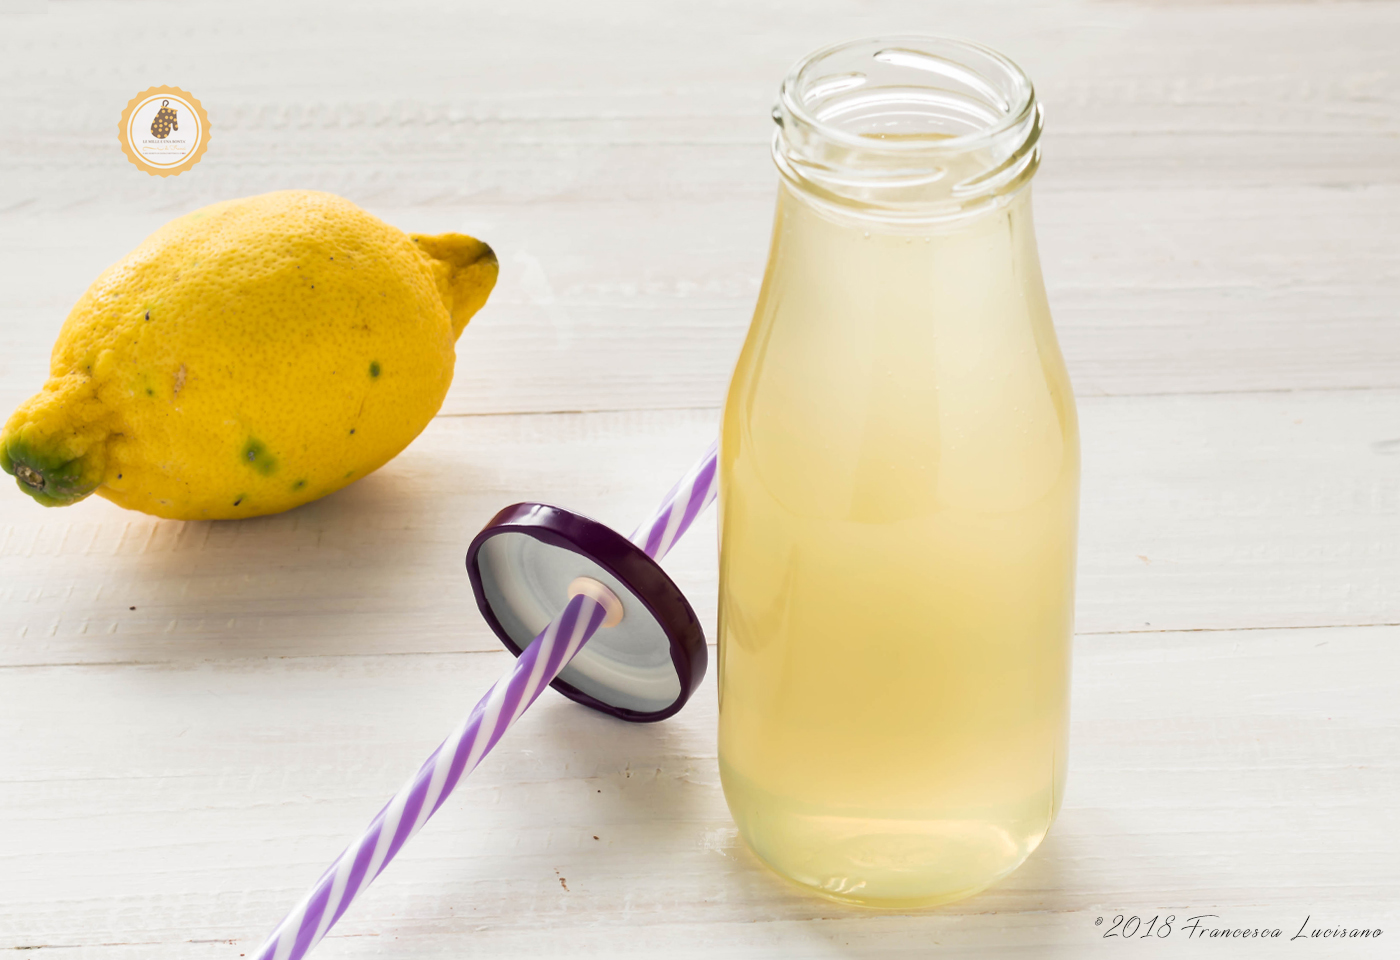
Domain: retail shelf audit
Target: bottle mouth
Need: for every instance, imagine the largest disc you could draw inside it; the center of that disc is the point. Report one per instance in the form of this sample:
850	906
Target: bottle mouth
925	127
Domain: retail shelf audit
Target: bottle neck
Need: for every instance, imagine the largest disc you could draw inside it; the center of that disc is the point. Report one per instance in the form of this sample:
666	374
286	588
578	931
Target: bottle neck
908	129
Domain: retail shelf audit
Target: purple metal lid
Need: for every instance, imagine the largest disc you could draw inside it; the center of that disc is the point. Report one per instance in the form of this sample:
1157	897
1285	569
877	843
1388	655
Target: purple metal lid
642	670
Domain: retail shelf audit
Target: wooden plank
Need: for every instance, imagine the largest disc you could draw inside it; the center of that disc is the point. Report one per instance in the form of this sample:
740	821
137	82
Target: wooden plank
644	305
477	104
154	808
1199	512
376	567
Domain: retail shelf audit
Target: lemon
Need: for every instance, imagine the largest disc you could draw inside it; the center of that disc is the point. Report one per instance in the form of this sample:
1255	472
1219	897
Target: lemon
247	358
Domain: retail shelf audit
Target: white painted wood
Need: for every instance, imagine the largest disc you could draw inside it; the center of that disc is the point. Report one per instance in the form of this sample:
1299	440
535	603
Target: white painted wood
644	304
1244	775
1218	212
1216	204
1200	513
410	105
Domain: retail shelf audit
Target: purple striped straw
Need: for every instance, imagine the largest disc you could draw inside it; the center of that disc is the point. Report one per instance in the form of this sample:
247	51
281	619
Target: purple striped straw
678	510
460	753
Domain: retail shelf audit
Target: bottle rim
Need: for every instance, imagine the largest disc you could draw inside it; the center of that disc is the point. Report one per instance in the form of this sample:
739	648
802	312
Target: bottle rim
908	124
1016	112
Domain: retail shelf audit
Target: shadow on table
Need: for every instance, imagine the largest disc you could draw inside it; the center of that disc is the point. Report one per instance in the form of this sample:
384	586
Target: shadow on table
374	568
666	833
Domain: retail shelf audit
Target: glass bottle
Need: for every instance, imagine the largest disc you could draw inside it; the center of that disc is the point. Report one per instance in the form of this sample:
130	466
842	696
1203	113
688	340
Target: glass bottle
899	489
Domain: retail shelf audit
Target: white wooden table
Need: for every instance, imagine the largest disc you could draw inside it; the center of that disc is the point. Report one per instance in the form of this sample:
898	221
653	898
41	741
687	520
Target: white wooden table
194	717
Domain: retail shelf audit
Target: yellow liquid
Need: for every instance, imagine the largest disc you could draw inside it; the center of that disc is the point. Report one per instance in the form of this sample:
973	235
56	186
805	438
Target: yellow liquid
899	503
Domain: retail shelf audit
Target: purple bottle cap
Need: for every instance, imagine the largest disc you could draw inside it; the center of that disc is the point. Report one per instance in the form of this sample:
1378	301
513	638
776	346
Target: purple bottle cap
643	669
